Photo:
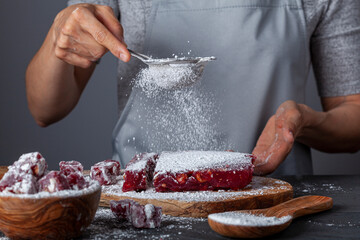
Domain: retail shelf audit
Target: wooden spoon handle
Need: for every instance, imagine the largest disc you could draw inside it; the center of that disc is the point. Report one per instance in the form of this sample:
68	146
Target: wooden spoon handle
303	205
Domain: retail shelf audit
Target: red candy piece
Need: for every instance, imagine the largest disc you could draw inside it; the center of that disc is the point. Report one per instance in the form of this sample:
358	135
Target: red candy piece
105	172
30	163
73	171
121	209
17	182
68	167
140	216
202	170
77	181
139	172
54	181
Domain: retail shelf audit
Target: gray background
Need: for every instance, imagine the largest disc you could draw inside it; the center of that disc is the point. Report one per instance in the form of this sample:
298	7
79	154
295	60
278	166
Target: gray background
85	135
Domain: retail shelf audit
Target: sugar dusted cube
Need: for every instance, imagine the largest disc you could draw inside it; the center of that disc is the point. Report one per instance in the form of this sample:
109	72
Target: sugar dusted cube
121	209
68	167
140	216
31	163
73	171
77	181
139	172
54	181
147	216
105	172
18	182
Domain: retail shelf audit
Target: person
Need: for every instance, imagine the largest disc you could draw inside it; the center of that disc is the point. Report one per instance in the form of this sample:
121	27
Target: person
264	52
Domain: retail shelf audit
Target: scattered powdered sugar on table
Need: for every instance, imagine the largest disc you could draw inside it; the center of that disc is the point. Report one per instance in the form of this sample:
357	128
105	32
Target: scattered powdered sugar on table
338	224
245	219
258	186
93	186
106	226
327	187
198	160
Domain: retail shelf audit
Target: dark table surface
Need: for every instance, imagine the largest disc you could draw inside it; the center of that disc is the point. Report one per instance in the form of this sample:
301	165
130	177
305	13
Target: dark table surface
341	222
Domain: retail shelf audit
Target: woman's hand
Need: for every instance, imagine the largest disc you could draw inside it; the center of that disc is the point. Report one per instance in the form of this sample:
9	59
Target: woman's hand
83	33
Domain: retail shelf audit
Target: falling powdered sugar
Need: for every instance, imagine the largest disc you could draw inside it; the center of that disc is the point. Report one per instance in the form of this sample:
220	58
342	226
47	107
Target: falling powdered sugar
246	219
158	77
169	119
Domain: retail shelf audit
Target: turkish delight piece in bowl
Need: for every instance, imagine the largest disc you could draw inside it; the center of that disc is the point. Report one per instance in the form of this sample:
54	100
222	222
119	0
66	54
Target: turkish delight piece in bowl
58	215
44	208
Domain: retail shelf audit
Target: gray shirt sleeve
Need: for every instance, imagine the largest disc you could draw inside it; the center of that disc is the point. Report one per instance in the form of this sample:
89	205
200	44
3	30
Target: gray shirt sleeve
335	48
111	3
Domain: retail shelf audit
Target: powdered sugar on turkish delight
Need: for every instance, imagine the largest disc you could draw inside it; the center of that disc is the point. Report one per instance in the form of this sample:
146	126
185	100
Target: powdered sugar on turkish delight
197	160
30	163
93	187
141	163
105	172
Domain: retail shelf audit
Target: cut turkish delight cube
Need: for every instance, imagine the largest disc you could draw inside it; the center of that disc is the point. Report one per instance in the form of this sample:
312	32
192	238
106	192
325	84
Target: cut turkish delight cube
18	182
73	171
147	216
121	209
77	181
54	181
140	216
32	163
68	167
202	170
105	172
139	172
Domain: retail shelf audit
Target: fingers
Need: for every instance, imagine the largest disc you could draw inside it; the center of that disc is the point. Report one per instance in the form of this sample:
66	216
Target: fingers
88	31
86	47
289	118
269	157
100	33
277	138
106	16
73	58
270	149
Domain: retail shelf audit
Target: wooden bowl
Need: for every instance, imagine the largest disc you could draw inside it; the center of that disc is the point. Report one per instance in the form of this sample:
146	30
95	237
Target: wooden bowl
60	215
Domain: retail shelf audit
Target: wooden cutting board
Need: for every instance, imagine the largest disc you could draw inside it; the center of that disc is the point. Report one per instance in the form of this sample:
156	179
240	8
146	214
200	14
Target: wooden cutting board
262	192
3	170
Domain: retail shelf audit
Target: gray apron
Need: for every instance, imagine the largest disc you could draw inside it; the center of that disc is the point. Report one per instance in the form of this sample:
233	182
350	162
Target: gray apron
262	60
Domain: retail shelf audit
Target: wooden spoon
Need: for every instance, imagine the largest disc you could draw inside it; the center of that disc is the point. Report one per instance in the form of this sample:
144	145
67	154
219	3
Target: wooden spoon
294	208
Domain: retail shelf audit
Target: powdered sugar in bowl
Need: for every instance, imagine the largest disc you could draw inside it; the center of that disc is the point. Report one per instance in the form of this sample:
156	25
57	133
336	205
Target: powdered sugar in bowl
59	215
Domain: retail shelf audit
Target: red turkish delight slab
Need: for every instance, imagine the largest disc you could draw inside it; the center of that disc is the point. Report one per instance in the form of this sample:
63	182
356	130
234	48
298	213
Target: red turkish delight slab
139	172
105	172
30	163
68	167
18	182
140	216
202	170
54	181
